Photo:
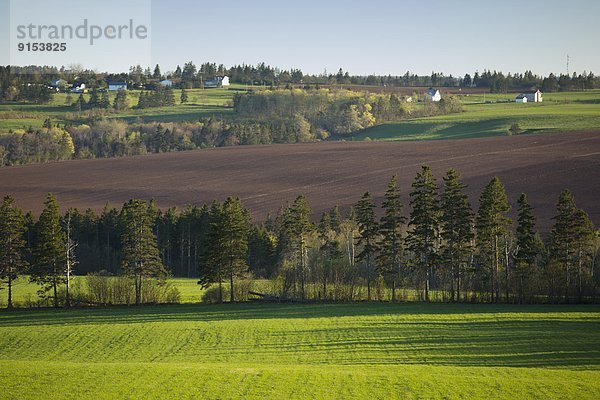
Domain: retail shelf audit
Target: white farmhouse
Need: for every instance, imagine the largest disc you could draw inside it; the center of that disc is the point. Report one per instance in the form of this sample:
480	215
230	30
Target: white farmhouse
115	86
166	83
433	95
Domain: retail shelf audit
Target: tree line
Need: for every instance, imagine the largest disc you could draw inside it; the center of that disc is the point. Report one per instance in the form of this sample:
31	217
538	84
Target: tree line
441	250
30	83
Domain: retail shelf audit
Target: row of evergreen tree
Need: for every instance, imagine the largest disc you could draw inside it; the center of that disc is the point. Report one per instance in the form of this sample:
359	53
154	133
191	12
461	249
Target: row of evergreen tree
31	83
100	100
442	250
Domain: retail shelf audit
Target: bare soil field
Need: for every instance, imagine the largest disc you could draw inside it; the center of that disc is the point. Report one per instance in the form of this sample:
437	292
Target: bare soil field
329	173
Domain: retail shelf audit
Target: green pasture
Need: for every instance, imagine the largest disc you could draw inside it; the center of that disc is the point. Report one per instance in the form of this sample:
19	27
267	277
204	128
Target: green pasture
25	292
493	115
484	115
302	351
201	103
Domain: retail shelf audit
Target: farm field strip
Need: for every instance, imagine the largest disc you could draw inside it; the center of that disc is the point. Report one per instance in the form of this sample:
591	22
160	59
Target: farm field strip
330	173
298	351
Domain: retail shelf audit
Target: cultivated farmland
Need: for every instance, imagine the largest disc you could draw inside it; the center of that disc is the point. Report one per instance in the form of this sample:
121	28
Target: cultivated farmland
332	351
331	173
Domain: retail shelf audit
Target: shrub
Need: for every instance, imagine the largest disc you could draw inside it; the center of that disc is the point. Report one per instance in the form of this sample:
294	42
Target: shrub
103	289
514	129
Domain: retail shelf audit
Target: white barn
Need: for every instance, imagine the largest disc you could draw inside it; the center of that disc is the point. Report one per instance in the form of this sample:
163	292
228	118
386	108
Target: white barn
533	97
521	98
166	83
218	81
433	95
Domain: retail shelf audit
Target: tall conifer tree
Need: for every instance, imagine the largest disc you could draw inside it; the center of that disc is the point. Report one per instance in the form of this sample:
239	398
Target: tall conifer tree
48	255
12	244
368	231
457	229
492	224
390	228
139	245
527	247
423	234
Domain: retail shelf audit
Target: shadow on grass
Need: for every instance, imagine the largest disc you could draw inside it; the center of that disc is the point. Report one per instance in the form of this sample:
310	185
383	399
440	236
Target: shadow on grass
443	129
510	343
426	334
241	311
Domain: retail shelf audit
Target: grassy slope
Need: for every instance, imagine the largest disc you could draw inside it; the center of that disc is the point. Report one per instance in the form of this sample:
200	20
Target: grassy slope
201	103
302	351
484	116
559	112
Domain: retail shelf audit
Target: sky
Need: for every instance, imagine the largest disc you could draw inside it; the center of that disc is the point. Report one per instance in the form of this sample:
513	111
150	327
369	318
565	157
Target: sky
374	37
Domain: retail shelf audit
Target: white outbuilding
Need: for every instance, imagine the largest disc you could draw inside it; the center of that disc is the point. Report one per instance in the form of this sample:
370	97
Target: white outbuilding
433	95
521	98
532	97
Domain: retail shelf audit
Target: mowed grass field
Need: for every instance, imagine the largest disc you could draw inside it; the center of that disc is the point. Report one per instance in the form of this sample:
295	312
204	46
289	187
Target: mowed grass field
302	351
493	115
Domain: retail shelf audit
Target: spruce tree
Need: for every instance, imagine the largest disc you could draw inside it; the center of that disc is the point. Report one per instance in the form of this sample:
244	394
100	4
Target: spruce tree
424	224
80	103
139	245
211	260
48	255
563	238
12	244
527	243
233	240
336	219
157	74
584	237
169	97
94	100
457	229
184	96
104	100
299	227
368	230
390	230
121	100
492	224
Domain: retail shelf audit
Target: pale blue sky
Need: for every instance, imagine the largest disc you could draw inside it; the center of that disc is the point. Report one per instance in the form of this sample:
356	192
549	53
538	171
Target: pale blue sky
378	36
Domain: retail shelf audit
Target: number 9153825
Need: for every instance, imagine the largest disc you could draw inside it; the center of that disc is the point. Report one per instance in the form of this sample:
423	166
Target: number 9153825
42	46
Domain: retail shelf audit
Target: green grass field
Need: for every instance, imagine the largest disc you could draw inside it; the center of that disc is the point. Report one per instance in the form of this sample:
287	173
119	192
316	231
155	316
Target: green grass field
24	291
201	103
493	115
324	351
488	115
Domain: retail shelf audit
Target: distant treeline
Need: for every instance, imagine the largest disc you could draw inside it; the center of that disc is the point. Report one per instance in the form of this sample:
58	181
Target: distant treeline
262	117
441	250
16	82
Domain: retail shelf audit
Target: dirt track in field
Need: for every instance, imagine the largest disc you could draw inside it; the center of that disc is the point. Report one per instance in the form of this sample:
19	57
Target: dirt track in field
329	173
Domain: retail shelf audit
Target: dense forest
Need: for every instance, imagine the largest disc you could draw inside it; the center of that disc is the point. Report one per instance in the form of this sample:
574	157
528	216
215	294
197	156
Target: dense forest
438	249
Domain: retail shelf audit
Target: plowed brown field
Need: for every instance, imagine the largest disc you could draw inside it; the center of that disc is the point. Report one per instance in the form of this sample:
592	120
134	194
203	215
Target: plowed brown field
329	173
